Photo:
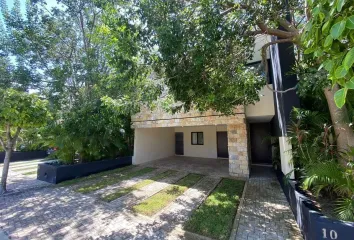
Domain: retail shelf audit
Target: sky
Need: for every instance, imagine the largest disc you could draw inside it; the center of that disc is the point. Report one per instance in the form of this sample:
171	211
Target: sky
10	3
23	2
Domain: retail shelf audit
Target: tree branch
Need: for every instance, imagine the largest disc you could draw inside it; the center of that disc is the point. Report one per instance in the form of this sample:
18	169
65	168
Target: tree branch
278	91
8	132
291	29
287	25
253	33
228	11
18	130
276	32
265	62
2	143
234	6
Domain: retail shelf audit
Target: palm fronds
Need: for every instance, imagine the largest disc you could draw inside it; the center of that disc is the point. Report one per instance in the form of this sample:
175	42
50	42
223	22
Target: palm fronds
345	209
335	178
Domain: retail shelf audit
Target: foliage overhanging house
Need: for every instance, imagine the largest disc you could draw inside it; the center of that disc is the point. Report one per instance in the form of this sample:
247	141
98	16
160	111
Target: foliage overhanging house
241	139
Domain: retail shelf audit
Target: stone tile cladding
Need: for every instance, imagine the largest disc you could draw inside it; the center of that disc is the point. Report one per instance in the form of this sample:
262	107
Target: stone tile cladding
238	150
159	118
236	129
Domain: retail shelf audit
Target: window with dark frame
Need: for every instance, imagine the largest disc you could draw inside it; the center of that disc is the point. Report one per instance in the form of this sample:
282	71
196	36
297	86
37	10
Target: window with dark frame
197	138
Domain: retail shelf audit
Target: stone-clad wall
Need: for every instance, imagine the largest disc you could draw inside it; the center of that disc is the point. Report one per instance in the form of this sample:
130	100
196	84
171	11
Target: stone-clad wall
152	119
238	150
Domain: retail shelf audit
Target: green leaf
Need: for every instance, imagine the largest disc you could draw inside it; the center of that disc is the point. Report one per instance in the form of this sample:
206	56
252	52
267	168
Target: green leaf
340	96
350	84
350	22
326	26
309	50
318	53
340	5
328	65
340	72
328	42
349	59
315	11
337	29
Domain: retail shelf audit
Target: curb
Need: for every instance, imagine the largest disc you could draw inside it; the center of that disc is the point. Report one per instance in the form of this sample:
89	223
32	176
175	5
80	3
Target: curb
194	236
3	236
238	214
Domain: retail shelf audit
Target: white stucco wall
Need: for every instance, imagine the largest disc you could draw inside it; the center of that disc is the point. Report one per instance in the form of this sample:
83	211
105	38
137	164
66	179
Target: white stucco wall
262	109
286	156
209	149
153	143
259	42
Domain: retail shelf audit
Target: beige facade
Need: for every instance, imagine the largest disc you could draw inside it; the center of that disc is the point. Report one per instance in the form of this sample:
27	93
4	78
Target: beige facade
209	148
154	136
262	111
153	143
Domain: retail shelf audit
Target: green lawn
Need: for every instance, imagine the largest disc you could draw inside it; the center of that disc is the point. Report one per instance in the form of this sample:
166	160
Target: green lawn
96	175
30	173
214	218
161	199
113	179
112	196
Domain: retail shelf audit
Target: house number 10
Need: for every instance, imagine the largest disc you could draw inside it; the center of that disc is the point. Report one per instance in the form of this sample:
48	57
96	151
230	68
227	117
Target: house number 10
332	234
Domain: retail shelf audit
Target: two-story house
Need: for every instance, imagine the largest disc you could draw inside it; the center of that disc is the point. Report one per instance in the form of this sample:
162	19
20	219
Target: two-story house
234	142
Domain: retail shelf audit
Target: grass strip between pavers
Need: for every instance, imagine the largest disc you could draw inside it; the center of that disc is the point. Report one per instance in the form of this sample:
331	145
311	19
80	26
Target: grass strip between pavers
30	173
214	218
161	199
95	175
23	168
113	179
112	196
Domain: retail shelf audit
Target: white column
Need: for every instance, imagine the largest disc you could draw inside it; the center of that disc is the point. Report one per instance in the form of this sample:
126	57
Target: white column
286	156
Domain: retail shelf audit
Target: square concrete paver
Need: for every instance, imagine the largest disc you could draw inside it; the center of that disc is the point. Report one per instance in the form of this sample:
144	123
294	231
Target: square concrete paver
47	212
266	213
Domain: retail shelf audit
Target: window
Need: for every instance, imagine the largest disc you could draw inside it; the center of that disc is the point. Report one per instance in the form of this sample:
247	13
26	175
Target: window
197	138
260	69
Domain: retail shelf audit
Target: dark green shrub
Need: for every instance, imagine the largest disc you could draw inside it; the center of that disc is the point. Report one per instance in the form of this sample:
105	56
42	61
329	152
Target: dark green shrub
92	131
316	157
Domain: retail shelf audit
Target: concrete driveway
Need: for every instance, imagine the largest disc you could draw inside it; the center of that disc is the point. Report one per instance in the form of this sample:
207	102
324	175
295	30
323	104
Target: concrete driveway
51	212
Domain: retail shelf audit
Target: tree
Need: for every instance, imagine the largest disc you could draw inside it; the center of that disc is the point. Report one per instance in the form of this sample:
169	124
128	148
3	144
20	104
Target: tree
200	47
17	70
329	38
18	110
103	131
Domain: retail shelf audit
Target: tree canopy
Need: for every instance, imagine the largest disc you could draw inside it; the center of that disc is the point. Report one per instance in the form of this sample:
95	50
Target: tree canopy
18	110
329	37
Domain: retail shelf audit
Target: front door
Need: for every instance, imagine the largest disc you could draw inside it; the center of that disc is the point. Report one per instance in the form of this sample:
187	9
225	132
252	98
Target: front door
179	145
223	151
261	149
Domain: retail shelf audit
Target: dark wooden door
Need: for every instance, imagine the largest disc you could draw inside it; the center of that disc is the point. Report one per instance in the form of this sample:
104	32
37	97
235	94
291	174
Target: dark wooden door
261	149
222	149
179	145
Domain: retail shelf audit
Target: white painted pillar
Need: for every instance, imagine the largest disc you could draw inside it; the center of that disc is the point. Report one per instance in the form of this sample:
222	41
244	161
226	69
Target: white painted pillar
286	156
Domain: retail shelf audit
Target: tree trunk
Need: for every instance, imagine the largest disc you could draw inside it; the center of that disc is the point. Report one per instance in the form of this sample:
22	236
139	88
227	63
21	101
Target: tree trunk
5	171
340	121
